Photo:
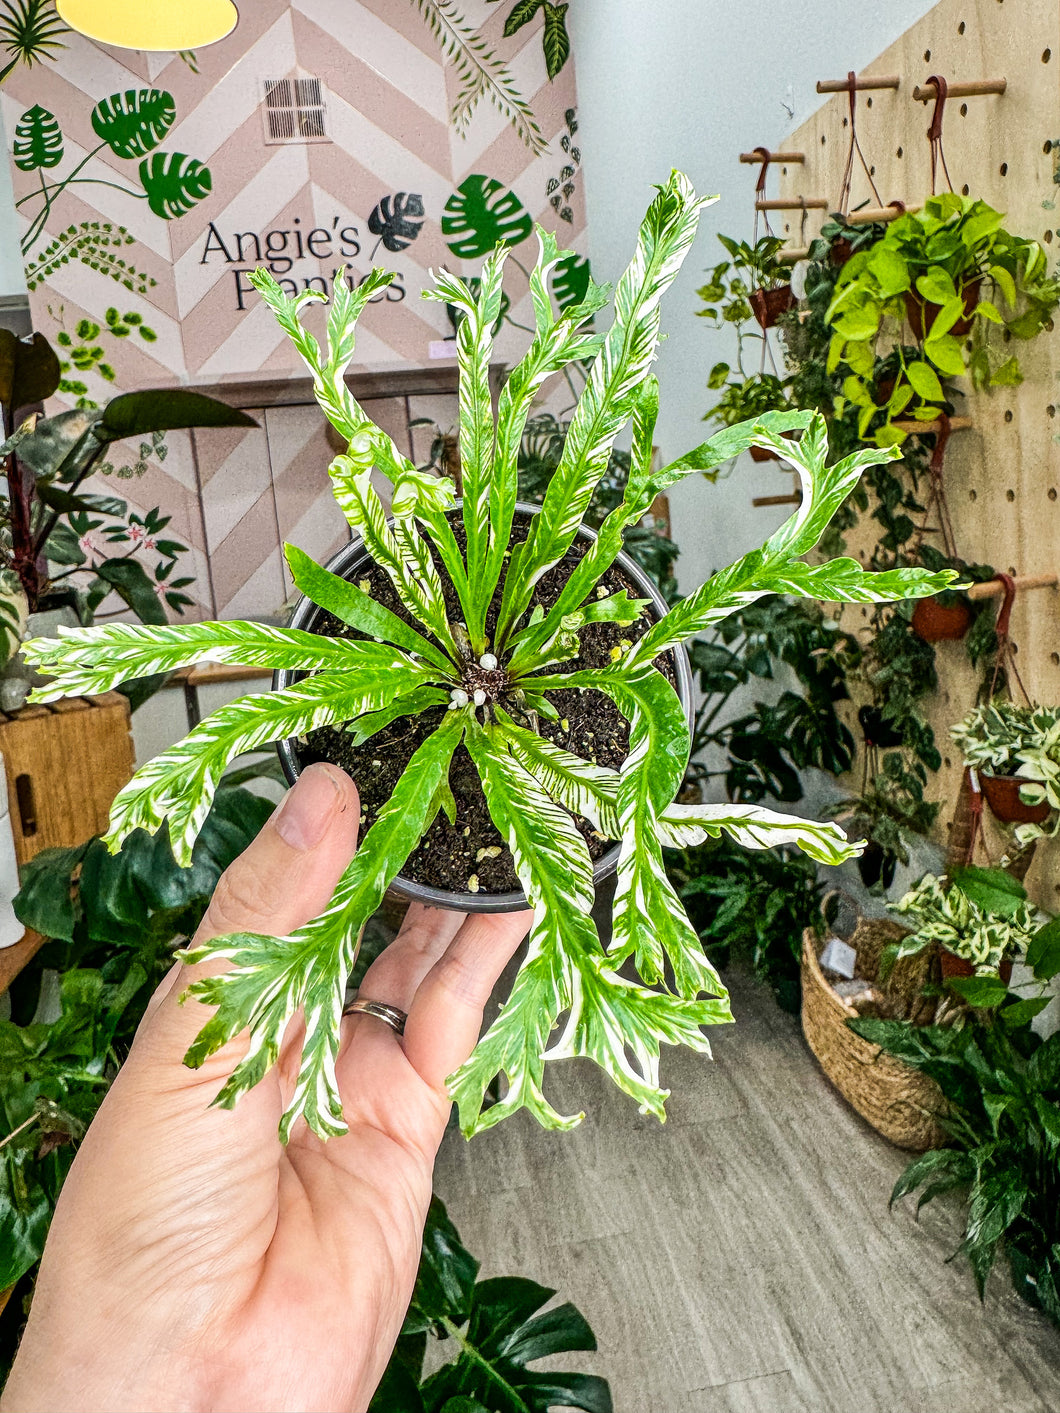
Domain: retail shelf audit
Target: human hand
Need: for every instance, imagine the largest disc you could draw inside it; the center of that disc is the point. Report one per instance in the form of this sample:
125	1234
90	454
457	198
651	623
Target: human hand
193	1261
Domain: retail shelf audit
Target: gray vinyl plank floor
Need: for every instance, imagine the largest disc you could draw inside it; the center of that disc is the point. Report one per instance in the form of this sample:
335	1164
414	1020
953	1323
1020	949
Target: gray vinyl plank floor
742	1258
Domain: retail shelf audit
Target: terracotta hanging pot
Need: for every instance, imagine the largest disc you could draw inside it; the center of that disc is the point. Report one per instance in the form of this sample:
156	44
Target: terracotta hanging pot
1003	796
762	453
921	313
769	304
954	966
936	622
840	251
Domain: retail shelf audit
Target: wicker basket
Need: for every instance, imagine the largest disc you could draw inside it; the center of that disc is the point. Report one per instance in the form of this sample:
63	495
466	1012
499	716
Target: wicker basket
897	1101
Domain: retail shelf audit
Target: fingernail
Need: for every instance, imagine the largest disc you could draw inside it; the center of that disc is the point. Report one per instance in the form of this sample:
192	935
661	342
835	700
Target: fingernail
303	818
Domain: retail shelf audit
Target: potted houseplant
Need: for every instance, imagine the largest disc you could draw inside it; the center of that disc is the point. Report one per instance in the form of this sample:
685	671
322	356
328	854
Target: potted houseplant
980	918
1016	752
745	398
889	813
751	282
63	550
950	270
478	660
952	615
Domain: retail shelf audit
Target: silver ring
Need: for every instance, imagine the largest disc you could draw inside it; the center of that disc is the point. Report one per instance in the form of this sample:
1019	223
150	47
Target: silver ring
389	1015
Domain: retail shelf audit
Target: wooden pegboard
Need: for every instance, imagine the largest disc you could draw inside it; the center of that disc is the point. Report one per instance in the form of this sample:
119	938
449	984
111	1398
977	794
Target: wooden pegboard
1002	475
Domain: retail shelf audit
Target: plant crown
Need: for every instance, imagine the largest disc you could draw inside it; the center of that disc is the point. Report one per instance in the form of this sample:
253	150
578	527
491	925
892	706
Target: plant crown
484	690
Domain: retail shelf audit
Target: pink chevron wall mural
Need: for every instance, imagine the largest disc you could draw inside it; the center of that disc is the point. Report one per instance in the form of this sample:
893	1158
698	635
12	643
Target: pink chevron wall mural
320	135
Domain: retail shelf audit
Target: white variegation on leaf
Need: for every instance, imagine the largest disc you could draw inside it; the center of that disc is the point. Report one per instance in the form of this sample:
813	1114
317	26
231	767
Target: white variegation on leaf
87	660
569	998
269	979
179	784
753	826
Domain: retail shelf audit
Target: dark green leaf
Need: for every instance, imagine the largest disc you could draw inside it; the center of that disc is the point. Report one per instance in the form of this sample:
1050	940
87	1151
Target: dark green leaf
134	122
992	888
29	371
554	39
983	992
174	183
446	1277
138	414
131	580
480	213
38	140
1043	953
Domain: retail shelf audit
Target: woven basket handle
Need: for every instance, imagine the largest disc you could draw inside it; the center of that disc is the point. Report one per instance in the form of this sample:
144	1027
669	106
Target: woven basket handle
843	903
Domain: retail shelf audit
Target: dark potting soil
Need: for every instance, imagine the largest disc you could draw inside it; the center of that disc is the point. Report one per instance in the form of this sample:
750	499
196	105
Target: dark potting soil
456	856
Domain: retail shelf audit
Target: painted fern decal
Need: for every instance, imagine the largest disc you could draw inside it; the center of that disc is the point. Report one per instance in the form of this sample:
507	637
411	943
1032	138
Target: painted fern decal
478	678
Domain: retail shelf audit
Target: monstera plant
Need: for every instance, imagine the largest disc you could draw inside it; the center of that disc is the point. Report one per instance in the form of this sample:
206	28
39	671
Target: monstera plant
472	662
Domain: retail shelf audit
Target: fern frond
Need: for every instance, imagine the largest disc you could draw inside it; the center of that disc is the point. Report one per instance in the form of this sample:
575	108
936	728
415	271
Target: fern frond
480	71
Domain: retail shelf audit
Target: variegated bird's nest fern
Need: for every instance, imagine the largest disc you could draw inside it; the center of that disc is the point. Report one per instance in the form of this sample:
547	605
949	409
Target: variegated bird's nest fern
531	786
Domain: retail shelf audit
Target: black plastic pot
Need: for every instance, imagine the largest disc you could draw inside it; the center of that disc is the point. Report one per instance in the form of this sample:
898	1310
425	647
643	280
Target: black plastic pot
349	563
876	865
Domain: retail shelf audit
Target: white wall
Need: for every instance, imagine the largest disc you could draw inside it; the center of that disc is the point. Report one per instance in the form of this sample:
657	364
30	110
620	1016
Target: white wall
691	84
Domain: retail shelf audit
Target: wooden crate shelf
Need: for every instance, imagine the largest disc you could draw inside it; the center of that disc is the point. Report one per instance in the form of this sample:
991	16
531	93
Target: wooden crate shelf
65	762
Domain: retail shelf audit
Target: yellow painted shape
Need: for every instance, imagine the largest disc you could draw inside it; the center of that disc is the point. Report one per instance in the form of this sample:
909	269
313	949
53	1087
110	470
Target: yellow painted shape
160	25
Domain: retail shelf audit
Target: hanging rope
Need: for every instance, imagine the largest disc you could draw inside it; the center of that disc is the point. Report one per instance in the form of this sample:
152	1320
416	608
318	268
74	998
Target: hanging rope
1005	660
936	501
934	132
760	191
855	147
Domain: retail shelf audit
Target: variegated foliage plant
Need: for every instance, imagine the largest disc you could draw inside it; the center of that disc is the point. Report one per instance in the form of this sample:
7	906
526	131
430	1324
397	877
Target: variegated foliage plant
487	683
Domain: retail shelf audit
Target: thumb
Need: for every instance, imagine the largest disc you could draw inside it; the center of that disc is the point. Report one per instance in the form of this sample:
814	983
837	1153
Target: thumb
284	879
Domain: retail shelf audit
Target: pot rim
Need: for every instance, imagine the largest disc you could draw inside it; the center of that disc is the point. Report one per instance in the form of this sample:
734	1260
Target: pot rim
345	560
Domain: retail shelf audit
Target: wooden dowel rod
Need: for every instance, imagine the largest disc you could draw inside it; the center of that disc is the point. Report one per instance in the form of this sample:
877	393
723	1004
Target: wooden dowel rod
927	92
800	203
795	499
994	588
860	85
755	159
957	424
794	255
868	214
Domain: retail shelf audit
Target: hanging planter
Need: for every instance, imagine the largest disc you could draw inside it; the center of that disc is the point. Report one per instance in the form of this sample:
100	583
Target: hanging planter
1001	739
953	966
1003	796
938	621
953	272
761	454
769	304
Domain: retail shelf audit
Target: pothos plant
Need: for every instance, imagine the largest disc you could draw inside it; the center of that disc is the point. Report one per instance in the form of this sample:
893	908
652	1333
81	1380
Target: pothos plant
1004	738
944	269
484	689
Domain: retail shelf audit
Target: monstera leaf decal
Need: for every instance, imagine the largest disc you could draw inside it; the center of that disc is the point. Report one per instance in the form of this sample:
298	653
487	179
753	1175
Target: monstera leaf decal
38	140
134	122
570	282
397	220
480	213
174	182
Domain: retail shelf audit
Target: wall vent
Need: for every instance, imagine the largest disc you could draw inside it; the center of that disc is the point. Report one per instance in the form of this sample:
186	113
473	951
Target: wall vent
294	110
